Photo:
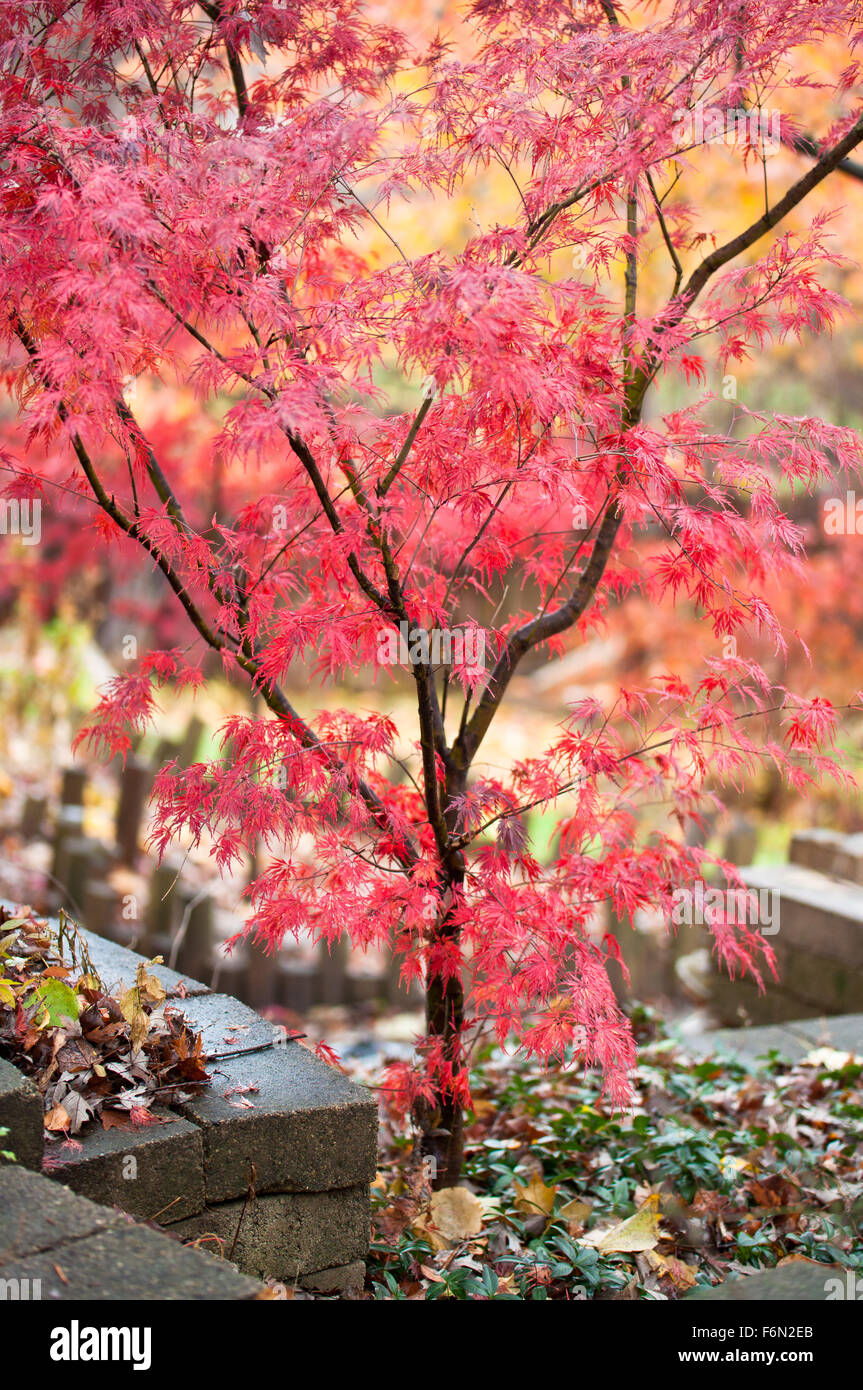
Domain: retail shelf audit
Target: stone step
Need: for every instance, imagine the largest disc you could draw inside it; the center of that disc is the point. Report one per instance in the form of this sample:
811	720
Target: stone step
814	925
794	1039
21	1113
57	1245
801	1280
274	1157
116	966
829	852
817	913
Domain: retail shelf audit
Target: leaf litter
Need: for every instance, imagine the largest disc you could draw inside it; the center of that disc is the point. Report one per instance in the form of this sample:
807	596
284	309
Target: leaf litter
96	1057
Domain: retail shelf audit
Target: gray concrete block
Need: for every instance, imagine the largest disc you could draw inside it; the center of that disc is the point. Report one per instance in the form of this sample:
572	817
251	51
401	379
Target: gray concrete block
814	849
21	1112
737	1003
286	1235
37	1215
844	1033
78	1250
751	1043
308	1128
117	965
816	913
793	1040
227	1026
132	1263
790	1283
830	985
345	1280
154	1172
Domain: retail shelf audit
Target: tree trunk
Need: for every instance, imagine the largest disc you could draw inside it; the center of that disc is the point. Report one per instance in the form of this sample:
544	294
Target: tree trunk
442	1122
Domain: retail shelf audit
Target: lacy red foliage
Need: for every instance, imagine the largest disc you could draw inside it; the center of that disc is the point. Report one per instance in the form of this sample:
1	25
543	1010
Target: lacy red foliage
197	200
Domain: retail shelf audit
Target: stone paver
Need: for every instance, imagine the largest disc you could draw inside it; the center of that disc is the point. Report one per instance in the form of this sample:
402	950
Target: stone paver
36	1214
818	936
844	1032
792	1040
226	1026
285	1235
21	1112
786	1284
752	1043
306	1128
68	1248
273	1115
820	914
154	1172
133	1263
117	965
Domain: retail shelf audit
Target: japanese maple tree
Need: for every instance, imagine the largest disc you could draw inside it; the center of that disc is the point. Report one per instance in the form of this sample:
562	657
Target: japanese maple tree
212	195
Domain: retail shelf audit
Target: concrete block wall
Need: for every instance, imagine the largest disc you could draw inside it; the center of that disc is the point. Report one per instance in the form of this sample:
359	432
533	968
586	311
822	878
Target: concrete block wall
271	1164
818	898
57	1245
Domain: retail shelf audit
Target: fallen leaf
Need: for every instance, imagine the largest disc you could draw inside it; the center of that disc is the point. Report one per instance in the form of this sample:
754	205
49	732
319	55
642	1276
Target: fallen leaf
117	1119
534	1199
681	1274
827	1057
57	1118
575	1214
150	987
484	1109
454	1215
59	1000
638	1232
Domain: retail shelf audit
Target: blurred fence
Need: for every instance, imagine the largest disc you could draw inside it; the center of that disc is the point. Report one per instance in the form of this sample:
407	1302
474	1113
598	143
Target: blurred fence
181	919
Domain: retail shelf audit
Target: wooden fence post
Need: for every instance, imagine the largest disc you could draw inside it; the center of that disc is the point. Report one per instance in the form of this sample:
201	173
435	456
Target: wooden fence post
68	825
33	817
102	910
136	779
332	970
192	946
72	787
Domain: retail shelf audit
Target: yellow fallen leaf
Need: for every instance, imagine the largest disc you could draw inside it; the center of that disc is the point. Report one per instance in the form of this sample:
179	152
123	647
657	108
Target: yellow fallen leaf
681	1274
730	1164
130	1004
57	1119
535	1198
149	986
484	1109
454	1215
638	1232
575	1213
139	1030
